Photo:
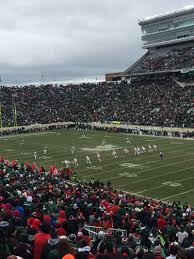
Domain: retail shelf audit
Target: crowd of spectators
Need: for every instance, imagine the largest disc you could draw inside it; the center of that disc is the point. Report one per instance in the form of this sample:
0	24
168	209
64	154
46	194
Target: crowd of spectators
173	59
43	215
160	102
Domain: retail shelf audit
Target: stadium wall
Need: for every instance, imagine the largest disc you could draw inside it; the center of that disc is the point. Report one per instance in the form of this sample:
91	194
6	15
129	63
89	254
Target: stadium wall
110	125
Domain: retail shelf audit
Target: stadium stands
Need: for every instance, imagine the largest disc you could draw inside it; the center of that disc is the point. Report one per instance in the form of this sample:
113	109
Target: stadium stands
165	59
46	214
161	102
43	215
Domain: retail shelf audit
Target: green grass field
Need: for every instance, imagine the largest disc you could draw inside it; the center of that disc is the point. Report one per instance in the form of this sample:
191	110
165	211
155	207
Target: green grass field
146	175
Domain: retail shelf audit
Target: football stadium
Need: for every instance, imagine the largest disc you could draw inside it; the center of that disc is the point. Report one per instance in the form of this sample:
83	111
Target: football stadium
104	169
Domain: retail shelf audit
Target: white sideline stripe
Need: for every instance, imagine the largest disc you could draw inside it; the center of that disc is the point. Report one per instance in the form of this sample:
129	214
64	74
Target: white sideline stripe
161	175
178	194
138	195
161	186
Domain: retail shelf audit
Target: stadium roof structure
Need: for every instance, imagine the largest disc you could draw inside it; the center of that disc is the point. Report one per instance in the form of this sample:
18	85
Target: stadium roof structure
160	34
171	14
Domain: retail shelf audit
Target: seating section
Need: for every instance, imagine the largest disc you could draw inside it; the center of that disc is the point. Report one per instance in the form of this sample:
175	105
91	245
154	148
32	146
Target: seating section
161	102
165	60
42	215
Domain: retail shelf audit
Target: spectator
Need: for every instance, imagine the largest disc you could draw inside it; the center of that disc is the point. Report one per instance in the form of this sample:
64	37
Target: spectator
50	245
173	252
62	249
41	238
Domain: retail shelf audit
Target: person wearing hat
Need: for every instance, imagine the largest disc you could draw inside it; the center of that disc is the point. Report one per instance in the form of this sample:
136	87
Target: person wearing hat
72	240
99	237
60	230
124	249
158	252
61	217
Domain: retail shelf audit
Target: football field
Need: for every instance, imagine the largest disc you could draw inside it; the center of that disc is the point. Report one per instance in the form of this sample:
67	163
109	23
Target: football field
146	175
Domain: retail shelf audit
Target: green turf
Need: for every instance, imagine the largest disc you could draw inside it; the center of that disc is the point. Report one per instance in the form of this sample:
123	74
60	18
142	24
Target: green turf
168	180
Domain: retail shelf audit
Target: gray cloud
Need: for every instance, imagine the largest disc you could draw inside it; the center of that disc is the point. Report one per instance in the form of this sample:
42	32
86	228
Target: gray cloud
69	38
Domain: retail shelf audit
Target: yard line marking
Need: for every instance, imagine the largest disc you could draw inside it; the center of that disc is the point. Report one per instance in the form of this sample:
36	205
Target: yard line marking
161	186
139	158
178	194
156	176
139	172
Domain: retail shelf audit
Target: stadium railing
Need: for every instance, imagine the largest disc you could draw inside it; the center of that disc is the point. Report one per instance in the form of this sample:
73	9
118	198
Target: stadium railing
93	231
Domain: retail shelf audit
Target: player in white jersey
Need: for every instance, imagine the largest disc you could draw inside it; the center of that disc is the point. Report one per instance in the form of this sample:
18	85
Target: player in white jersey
67	163
22	142
143	149
138	151
155	147
103	142
35	156
128	141
45	151
88	162
75	162
99	157
149	148
72	150
135	151
114	154
126	151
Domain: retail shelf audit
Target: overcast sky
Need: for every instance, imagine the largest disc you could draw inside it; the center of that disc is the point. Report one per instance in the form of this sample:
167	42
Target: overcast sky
72	38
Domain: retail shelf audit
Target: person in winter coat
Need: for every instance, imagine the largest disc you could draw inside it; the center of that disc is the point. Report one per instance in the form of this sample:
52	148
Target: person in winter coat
63	248
23	249
4	248
50	245
84	250
41	239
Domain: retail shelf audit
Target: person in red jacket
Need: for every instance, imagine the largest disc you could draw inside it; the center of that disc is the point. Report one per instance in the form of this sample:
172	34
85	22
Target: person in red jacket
61	217
161	222
41	239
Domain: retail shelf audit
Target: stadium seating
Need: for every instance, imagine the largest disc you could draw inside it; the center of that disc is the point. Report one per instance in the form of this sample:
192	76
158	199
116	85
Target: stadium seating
165	59
161	102
42	215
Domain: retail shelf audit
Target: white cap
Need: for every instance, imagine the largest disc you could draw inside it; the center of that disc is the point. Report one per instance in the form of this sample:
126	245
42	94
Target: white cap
29	198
